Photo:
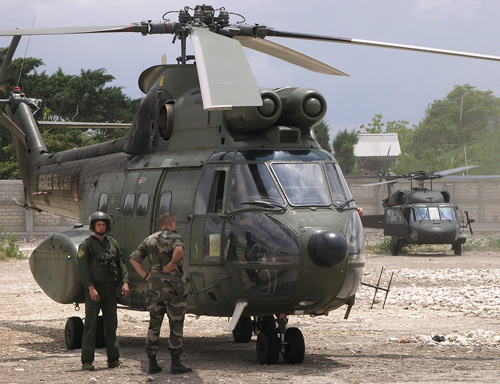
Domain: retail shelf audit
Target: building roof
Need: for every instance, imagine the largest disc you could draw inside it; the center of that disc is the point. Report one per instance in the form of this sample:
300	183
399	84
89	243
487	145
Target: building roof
377	145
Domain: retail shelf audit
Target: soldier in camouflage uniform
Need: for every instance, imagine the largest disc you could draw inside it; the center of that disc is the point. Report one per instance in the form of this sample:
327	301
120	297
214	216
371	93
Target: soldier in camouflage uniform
167	290
103	273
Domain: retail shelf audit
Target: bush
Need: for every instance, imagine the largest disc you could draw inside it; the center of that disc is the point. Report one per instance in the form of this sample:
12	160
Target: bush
9	247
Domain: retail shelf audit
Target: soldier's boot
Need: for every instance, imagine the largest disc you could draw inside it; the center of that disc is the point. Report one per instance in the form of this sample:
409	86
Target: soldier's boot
153	365
177	367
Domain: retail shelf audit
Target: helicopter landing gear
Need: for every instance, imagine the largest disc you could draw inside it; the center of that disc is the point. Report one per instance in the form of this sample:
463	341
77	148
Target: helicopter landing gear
73	333
396	246
457	249
243	331
272	339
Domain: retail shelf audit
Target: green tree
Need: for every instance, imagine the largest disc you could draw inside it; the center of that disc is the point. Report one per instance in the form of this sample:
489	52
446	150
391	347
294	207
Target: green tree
343	149
86	97
375	126
466	121
322	135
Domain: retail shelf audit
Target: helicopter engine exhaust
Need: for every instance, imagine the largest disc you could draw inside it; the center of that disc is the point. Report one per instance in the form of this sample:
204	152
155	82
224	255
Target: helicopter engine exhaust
246	119
302	107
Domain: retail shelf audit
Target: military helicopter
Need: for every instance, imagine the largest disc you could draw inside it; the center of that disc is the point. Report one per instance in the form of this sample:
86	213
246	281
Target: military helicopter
420	215
270	225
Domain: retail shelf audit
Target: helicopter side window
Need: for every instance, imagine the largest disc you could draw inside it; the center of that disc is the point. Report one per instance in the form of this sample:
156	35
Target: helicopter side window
102	205
142	205
394	216
128	205
339	190
303	183
213	230
210	194
165	200
448	213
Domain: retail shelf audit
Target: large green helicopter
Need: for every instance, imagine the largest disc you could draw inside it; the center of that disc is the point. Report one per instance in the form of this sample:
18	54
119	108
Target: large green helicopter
270	225
420	215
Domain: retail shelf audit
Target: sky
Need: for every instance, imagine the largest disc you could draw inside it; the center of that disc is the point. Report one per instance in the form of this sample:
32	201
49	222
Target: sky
397	84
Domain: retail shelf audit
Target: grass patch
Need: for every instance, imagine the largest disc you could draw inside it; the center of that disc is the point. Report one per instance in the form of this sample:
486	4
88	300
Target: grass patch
9	246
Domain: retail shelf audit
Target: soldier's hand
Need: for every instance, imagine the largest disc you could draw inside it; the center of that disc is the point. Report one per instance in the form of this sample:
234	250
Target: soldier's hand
125	290
170	267
94	295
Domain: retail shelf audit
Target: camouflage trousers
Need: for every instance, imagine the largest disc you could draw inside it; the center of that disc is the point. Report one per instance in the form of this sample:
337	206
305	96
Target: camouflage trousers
171	298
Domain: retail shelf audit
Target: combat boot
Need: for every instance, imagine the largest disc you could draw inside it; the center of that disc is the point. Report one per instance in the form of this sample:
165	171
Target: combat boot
177	368
153	365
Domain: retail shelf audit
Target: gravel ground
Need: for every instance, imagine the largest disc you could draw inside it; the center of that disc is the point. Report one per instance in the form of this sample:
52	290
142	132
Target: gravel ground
440	324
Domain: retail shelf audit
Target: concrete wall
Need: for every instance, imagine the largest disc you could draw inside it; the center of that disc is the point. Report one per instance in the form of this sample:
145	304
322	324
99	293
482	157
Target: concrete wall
481	197
21	221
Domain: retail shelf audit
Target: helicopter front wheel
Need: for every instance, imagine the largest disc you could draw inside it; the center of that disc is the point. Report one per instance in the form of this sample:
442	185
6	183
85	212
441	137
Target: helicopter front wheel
457	248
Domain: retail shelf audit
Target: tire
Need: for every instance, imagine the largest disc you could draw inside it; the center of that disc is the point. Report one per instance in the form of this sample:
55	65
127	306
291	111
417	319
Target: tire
295	348
100	341
243	331
395	247
457	248
268	346
73	333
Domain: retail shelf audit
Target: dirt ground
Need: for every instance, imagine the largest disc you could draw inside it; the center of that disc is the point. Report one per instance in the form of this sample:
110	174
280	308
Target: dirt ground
451	298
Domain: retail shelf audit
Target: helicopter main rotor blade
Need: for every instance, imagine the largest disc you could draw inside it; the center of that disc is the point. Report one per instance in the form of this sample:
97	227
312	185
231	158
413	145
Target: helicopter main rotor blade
378	44
142	28
8	56
455	170
289	55
226	79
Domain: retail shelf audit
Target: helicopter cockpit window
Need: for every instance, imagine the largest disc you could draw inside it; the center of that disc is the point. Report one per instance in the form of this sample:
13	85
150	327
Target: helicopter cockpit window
434	213
420	213
304	183
165	200
142	205
128	205
448	213
102	205
340	191
253	186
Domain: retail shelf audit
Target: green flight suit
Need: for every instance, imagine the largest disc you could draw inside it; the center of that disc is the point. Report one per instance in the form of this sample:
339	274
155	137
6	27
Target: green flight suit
101	264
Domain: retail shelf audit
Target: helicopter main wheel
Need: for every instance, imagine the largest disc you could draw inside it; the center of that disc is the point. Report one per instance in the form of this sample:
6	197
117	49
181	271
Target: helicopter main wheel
395	247
295	347
457	248
268	346
73	333
100	341
243	331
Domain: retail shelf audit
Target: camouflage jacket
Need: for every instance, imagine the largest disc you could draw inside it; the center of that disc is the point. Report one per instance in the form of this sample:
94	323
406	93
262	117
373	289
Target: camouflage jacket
159	248
101	261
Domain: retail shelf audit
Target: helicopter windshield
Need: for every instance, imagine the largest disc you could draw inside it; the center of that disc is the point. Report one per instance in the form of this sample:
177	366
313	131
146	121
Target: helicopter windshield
253	185
434	213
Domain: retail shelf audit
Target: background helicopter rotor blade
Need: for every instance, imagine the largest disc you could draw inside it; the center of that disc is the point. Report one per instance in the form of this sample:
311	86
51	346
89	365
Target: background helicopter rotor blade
455	170
289	55
378	44
8	56
226	79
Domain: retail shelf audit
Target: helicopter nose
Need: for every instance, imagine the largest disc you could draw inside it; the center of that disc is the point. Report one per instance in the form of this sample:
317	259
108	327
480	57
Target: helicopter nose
327	248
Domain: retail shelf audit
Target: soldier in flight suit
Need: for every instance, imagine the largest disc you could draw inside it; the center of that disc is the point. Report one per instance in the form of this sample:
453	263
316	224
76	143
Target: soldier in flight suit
103	272
167	291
